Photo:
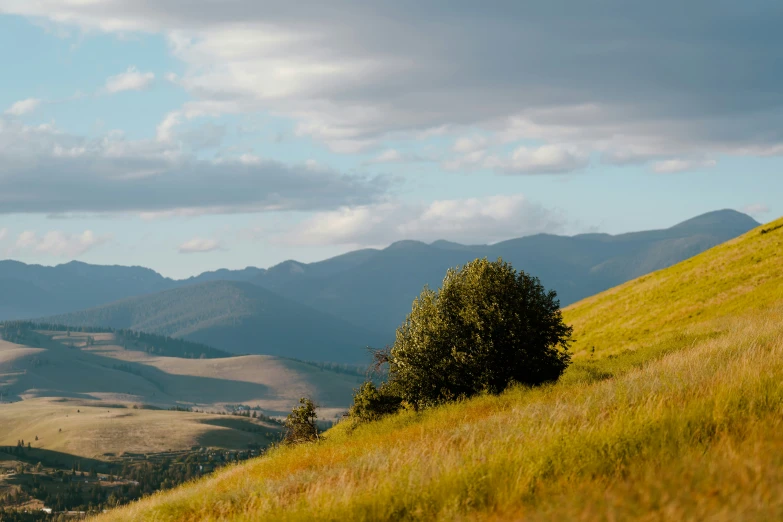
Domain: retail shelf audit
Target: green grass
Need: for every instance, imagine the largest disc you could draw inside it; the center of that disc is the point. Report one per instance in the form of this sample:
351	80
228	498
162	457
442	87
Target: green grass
675	416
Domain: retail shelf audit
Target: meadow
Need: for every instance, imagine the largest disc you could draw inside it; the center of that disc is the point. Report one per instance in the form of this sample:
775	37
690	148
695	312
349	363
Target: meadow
671	410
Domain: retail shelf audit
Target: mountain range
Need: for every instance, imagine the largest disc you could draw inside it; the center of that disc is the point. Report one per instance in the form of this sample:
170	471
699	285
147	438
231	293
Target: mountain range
329	310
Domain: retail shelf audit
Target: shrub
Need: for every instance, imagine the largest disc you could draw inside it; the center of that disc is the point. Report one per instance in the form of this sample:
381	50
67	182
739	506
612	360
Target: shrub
371	402
300	423
487	327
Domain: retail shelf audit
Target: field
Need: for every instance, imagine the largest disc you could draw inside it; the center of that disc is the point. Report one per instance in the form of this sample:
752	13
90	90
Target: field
672	410
104	431
60	366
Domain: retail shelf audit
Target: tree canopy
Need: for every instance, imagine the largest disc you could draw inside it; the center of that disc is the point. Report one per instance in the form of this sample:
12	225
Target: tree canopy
488	326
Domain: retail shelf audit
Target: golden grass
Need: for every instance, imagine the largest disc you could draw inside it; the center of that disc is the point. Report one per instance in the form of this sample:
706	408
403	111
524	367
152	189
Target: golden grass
673	418
93	430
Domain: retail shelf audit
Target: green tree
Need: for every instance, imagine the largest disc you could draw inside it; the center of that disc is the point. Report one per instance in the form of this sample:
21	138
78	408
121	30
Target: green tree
371	402
488	326
301	423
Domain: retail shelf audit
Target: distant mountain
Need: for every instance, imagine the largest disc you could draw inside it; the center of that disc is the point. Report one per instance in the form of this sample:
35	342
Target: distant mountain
236	317
364	292
223	274
377	293
28	291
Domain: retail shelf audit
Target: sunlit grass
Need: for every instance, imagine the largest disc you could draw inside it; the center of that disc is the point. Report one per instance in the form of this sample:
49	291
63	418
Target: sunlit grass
673	417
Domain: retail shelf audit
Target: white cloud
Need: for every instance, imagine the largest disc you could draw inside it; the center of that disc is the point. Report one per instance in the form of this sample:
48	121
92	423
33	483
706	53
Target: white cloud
682	165
466	145
756	209
45	170
388	156
60	244
646	87
165	129
395	156
3	233
546	159
130	80
472	220
23	107
198	245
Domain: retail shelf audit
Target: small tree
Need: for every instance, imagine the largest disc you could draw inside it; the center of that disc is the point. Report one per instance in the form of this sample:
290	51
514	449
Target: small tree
371	402
487	327
301	423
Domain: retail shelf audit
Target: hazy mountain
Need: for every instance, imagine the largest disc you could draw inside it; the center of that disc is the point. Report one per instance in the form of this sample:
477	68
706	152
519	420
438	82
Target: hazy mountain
224	274
32	290
236	317
369	290
377	293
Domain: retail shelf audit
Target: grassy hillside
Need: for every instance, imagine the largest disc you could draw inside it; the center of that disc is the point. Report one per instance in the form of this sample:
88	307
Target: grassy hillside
236	317
676	415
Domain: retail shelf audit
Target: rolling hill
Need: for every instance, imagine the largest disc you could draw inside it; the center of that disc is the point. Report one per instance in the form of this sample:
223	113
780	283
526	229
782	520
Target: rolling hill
236	317
670	411
51	365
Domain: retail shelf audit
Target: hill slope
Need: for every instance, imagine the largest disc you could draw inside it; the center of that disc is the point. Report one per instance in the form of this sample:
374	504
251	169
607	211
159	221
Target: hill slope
236	317
676	415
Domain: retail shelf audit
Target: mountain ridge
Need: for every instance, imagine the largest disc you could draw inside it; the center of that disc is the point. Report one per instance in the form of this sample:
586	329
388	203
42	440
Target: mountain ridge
368	291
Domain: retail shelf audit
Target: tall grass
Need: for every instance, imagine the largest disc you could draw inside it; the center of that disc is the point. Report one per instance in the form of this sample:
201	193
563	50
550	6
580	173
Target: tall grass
682	421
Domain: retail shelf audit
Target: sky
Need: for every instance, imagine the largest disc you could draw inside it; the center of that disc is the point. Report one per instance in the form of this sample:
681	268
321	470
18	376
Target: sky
191	135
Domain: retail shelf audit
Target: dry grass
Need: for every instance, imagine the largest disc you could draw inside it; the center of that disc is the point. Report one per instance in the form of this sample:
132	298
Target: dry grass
677	416
92	430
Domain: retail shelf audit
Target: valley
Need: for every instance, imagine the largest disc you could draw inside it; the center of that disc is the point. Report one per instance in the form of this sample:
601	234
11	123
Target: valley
670	410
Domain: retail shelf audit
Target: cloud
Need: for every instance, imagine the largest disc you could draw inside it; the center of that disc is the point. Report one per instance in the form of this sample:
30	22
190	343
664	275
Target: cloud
3	233
23	107
395	156
625	79
546	159
130	80
472	220
756	209
467	145
681	165
388	156
60	244
199	245
44	170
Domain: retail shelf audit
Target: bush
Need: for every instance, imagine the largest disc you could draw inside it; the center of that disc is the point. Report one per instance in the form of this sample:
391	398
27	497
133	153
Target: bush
300	423
371	403
487	327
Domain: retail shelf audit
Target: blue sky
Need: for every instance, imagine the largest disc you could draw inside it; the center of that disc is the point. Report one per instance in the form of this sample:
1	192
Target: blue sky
188	136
